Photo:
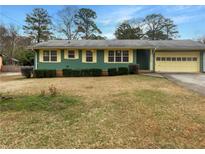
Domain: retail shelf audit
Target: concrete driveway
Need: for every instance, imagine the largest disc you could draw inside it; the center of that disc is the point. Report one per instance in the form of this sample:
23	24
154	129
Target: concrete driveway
194	82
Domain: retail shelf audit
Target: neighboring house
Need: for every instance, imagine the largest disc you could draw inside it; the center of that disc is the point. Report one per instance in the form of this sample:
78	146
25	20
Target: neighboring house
157	56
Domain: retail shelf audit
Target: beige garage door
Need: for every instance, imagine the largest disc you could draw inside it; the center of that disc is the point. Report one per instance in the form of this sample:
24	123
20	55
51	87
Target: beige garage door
172	61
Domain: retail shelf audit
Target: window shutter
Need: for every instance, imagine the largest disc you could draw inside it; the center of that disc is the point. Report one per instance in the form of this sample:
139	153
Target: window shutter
76	54
65	54
58	55
130	56
105	56
40	55
83	56
94	56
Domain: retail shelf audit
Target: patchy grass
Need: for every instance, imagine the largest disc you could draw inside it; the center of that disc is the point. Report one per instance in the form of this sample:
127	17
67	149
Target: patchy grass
105	112
36	103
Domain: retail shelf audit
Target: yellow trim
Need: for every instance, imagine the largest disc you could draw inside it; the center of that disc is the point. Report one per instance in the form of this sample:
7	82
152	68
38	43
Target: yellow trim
66	54
177	66
106	56
84	56
130	56
41	56
58	56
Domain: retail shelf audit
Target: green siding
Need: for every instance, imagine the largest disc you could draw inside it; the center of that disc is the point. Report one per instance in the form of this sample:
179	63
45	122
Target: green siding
77	63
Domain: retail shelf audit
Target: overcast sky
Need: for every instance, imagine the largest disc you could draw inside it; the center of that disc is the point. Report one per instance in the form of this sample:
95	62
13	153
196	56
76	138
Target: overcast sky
190	19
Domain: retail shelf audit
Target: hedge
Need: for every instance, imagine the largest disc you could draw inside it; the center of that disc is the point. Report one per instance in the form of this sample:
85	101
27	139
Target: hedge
122	71
83	72
133	68
27	71
112	71
44	73
96	72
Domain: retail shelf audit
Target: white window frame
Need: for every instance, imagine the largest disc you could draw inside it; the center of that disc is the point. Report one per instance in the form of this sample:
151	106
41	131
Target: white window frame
121	56
49	56
74	54
92	56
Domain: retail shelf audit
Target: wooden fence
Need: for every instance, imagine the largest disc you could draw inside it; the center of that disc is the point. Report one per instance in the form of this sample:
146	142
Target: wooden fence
10	68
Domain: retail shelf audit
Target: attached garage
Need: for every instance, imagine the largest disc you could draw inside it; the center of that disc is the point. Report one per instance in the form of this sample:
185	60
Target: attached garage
177	61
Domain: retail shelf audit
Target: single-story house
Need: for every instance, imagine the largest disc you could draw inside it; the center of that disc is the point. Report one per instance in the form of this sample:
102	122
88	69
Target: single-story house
155	56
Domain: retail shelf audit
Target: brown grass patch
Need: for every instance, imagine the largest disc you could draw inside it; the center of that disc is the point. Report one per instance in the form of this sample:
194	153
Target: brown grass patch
114	112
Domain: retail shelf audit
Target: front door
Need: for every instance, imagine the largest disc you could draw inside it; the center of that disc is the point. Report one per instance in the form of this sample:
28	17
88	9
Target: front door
143	57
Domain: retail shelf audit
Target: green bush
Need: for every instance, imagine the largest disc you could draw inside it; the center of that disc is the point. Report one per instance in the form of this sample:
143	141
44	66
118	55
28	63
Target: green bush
67	72
39	73
133	69
112	71
96	72
50	73
76	73
26	71
71	73
44	73
122	70
85	72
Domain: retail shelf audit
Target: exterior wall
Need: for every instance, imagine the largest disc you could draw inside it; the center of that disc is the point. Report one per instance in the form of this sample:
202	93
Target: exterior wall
79	64
177	66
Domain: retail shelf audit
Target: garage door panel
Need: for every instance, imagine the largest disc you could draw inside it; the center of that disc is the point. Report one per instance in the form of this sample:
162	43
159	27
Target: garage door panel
177	66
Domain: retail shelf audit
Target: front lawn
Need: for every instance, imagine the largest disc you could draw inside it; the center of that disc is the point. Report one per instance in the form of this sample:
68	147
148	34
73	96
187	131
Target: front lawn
131	111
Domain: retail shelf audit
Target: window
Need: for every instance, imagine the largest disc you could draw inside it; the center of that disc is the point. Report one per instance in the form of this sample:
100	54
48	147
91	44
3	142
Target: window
53	55
125	56
163	58
189	58
174	58
45	55
111	56
118	56
168	58
179	59
183	58
71	54
50	55
194	58
158	58
89	56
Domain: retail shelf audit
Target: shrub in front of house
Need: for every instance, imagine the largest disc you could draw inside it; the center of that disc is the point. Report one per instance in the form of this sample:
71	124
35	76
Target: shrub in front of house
112	71
67	72
95	72
133	69
50	73
85	72
123	71
39	73
27	71
76	73
44	73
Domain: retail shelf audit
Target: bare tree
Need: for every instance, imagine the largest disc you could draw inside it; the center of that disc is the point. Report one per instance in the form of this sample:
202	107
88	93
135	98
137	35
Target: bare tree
13	34
65	22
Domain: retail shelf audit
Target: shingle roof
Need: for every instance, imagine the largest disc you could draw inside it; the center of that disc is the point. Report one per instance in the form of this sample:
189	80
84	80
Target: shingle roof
138	44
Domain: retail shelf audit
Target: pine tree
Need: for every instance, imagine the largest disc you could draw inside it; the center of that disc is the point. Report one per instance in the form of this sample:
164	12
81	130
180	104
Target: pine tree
38	25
